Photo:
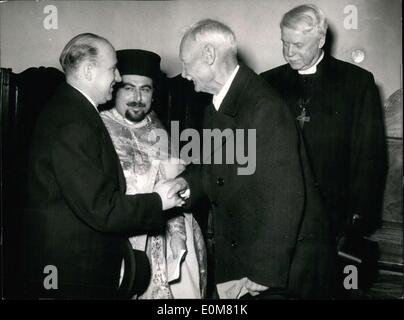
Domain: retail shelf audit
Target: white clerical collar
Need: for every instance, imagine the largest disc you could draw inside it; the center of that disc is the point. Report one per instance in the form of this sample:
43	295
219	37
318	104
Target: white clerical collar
218	99
84	94
313	68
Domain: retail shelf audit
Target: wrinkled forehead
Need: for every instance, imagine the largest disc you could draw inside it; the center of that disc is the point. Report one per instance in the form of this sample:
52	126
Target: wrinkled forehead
136	80
298	34
302	24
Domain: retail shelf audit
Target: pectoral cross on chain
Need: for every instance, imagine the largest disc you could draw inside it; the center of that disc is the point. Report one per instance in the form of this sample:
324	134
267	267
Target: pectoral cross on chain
302	118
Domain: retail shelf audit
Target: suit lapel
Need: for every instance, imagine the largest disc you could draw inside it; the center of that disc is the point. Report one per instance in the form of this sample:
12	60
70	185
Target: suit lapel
232	102
215	120
93	117
226	117
293	90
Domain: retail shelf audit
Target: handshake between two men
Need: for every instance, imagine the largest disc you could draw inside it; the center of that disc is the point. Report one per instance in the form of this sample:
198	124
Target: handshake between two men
173	192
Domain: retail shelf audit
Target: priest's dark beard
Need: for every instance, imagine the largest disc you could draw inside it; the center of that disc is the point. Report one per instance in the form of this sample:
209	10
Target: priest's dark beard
136	116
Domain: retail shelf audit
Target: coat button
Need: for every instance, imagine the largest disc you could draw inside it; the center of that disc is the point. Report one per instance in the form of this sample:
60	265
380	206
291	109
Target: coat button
220	181
234	244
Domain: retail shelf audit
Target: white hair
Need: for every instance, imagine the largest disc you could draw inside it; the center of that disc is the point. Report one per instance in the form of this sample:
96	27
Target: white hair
215	32
310	14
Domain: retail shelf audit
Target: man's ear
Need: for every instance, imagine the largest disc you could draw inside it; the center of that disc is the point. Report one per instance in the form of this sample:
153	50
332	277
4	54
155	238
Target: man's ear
87	70
209	54
322	42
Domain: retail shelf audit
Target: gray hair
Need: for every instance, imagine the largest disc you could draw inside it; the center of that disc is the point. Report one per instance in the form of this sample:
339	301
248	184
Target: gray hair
215	32
308	13
83	47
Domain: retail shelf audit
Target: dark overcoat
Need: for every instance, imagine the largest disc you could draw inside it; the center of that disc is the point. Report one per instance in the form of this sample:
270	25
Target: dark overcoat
270	225
345	137
78	217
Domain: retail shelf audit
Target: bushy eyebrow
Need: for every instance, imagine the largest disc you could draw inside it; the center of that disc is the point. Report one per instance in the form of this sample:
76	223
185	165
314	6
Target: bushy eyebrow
131	85
295	43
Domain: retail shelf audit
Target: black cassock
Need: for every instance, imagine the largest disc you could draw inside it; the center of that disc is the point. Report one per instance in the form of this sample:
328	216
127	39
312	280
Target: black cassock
339	111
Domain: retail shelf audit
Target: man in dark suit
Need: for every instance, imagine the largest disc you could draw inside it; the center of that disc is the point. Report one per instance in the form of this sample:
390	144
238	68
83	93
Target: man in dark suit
79	218
338	110
266	243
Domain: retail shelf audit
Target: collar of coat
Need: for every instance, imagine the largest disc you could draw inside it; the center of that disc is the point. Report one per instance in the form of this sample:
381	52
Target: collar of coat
231	102
79	103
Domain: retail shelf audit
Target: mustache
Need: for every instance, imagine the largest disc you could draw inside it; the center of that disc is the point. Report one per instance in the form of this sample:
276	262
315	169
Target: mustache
136	104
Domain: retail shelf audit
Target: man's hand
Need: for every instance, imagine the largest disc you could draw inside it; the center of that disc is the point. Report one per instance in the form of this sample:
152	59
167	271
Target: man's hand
163	188
178	188
254	288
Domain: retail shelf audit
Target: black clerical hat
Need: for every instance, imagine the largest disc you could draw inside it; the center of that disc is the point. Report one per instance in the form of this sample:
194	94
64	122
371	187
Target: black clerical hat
137	272
139	62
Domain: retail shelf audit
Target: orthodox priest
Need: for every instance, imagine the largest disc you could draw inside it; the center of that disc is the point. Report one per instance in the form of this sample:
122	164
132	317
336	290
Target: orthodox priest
141	143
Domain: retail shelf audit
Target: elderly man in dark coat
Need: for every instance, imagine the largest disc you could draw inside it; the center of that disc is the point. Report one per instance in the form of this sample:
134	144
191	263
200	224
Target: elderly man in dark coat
338	109
267	243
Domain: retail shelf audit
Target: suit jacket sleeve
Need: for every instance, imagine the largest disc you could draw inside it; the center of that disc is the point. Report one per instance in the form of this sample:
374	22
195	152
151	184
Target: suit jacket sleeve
92	191
193	176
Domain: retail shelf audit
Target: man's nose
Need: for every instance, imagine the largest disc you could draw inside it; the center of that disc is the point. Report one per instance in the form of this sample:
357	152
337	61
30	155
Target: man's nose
137	95
117	76
290	51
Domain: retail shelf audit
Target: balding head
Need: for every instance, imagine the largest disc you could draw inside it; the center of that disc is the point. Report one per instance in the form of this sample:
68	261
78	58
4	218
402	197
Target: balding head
83	47
208	52
89	62
213	32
